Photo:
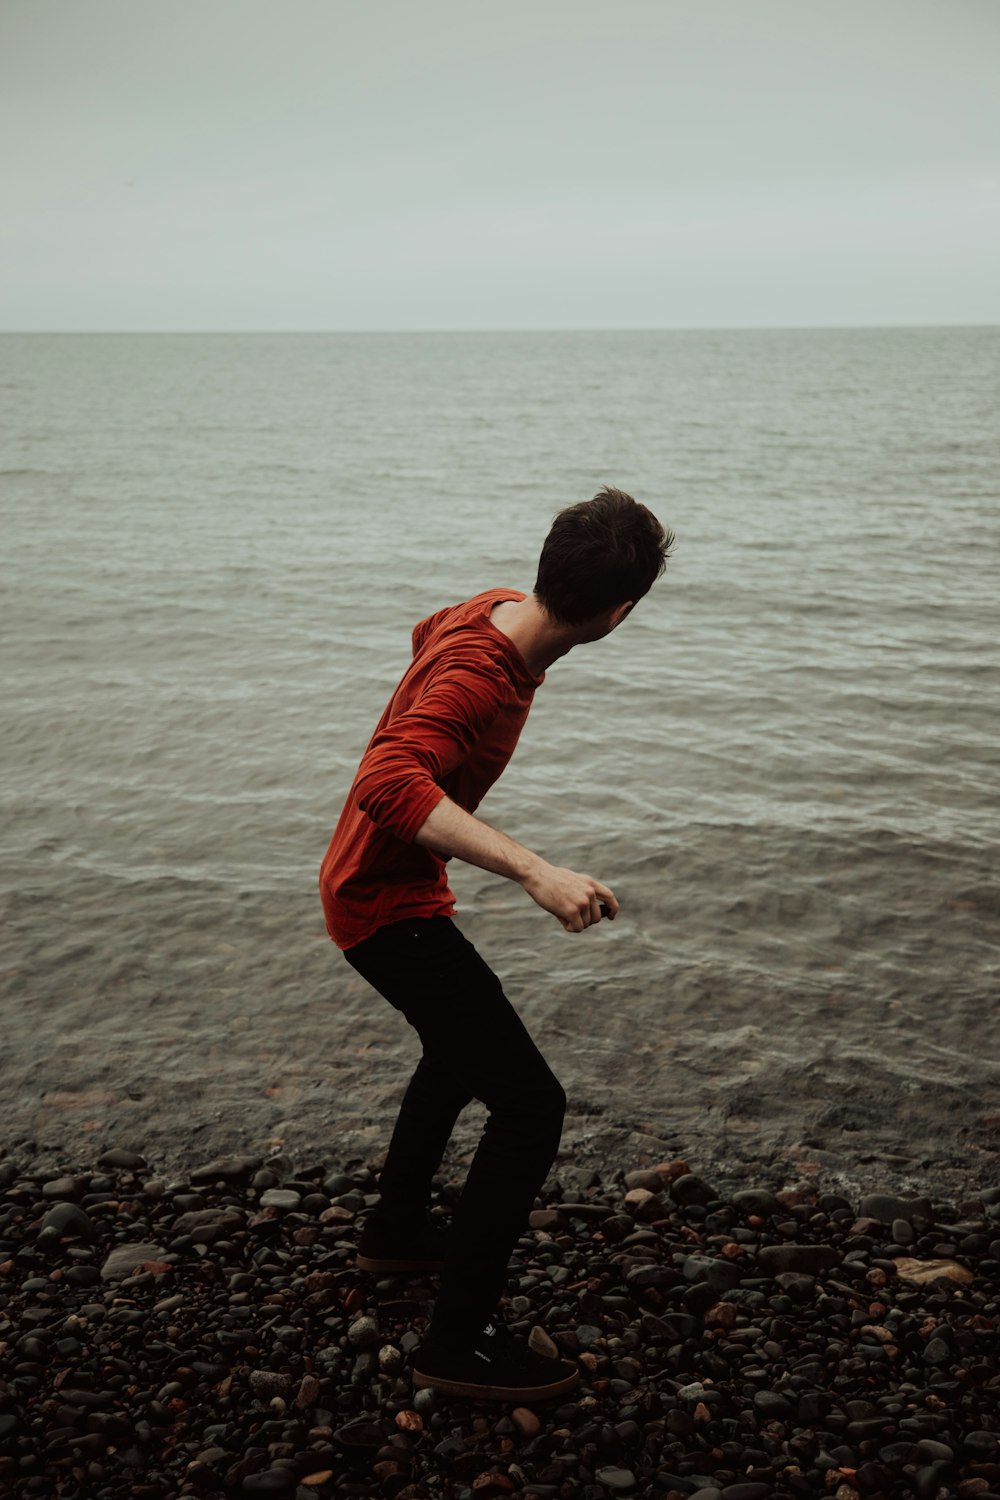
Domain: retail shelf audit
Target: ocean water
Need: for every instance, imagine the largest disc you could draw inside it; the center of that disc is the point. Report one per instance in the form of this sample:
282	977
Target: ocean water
785	762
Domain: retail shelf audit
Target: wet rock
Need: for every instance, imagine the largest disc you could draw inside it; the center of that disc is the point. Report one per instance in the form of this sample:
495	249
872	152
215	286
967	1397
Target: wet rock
268	1383
936	1452
772	1404
669	1171
125	1258
361	1434
308	1393
526	1422
639	1199
363	1333
546	1219
721	1315
280	1198
69	1218
207	1224
65	1188
539	1340
718	1274
884	1208
188	1202
811	1260
618	1481
648	1179
121	1160
691	1189
755	1201
981	1444
226	1169
923	1271
796	1284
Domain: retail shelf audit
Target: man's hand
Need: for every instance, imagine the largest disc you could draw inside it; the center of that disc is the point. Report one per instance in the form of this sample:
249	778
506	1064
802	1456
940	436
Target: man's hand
576	900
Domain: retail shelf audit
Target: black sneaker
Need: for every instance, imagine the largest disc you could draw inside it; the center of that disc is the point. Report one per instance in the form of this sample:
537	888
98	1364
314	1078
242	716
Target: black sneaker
396	1251
498	1367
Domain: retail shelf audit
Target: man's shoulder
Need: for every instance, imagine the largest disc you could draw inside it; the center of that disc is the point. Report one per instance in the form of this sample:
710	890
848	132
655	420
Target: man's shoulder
468	619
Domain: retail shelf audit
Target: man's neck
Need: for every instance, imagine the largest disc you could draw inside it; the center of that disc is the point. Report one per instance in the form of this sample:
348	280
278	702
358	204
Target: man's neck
540	639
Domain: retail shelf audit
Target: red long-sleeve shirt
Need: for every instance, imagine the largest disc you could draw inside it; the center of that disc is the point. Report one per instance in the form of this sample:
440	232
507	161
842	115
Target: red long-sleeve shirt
449	729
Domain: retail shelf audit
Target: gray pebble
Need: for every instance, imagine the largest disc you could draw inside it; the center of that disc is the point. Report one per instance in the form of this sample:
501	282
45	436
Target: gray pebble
810	1259
207	1224
885	1208
64	1187
983	1444
771	1404
755	1201
363	1333
124	1258
267	1383
226	1169
618	1481
721	1275
691	1189
127	1161
68	1218
280	1198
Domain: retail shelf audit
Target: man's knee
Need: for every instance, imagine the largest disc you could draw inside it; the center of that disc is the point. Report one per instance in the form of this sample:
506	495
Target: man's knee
546	1102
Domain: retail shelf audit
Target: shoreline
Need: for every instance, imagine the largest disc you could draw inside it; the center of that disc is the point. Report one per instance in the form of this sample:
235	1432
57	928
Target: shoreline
66	1125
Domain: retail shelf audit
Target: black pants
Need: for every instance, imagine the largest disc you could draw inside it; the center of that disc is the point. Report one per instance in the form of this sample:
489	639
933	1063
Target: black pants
475	1046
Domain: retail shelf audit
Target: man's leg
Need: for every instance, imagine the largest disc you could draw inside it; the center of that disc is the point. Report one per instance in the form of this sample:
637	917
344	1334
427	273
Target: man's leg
433	1101
431	1105
475	1045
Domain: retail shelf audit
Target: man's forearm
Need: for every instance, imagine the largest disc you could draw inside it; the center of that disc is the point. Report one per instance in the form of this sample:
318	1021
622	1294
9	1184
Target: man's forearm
578	901
454	833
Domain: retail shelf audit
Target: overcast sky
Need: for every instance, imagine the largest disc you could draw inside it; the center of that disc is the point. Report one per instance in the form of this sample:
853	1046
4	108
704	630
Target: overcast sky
384	164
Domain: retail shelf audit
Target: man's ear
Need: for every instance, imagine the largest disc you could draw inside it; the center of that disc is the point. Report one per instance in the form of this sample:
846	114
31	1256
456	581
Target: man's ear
618	614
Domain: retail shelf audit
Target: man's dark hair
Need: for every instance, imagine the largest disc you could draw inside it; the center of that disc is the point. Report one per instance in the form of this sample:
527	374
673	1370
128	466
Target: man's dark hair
600	553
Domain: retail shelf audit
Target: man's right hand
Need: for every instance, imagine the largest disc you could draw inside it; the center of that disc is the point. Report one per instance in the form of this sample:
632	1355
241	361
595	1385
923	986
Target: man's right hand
575	900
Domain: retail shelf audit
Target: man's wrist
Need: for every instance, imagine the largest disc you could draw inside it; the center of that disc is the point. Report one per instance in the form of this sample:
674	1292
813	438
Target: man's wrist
527	867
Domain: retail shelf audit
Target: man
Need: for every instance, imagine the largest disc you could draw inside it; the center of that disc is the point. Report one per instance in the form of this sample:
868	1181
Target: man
446	735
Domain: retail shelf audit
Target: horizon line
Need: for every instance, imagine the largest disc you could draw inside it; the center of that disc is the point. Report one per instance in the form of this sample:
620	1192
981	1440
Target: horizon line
395	332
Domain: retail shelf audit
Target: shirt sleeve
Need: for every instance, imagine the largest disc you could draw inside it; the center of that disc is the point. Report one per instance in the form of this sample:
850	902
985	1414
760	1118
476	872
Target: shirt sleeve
399	780
425	627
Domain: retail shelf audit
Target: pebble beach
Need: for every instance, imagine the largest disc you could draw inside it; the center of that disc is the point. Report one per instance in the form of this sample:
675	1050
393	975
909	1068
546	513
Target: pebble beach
208	1334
